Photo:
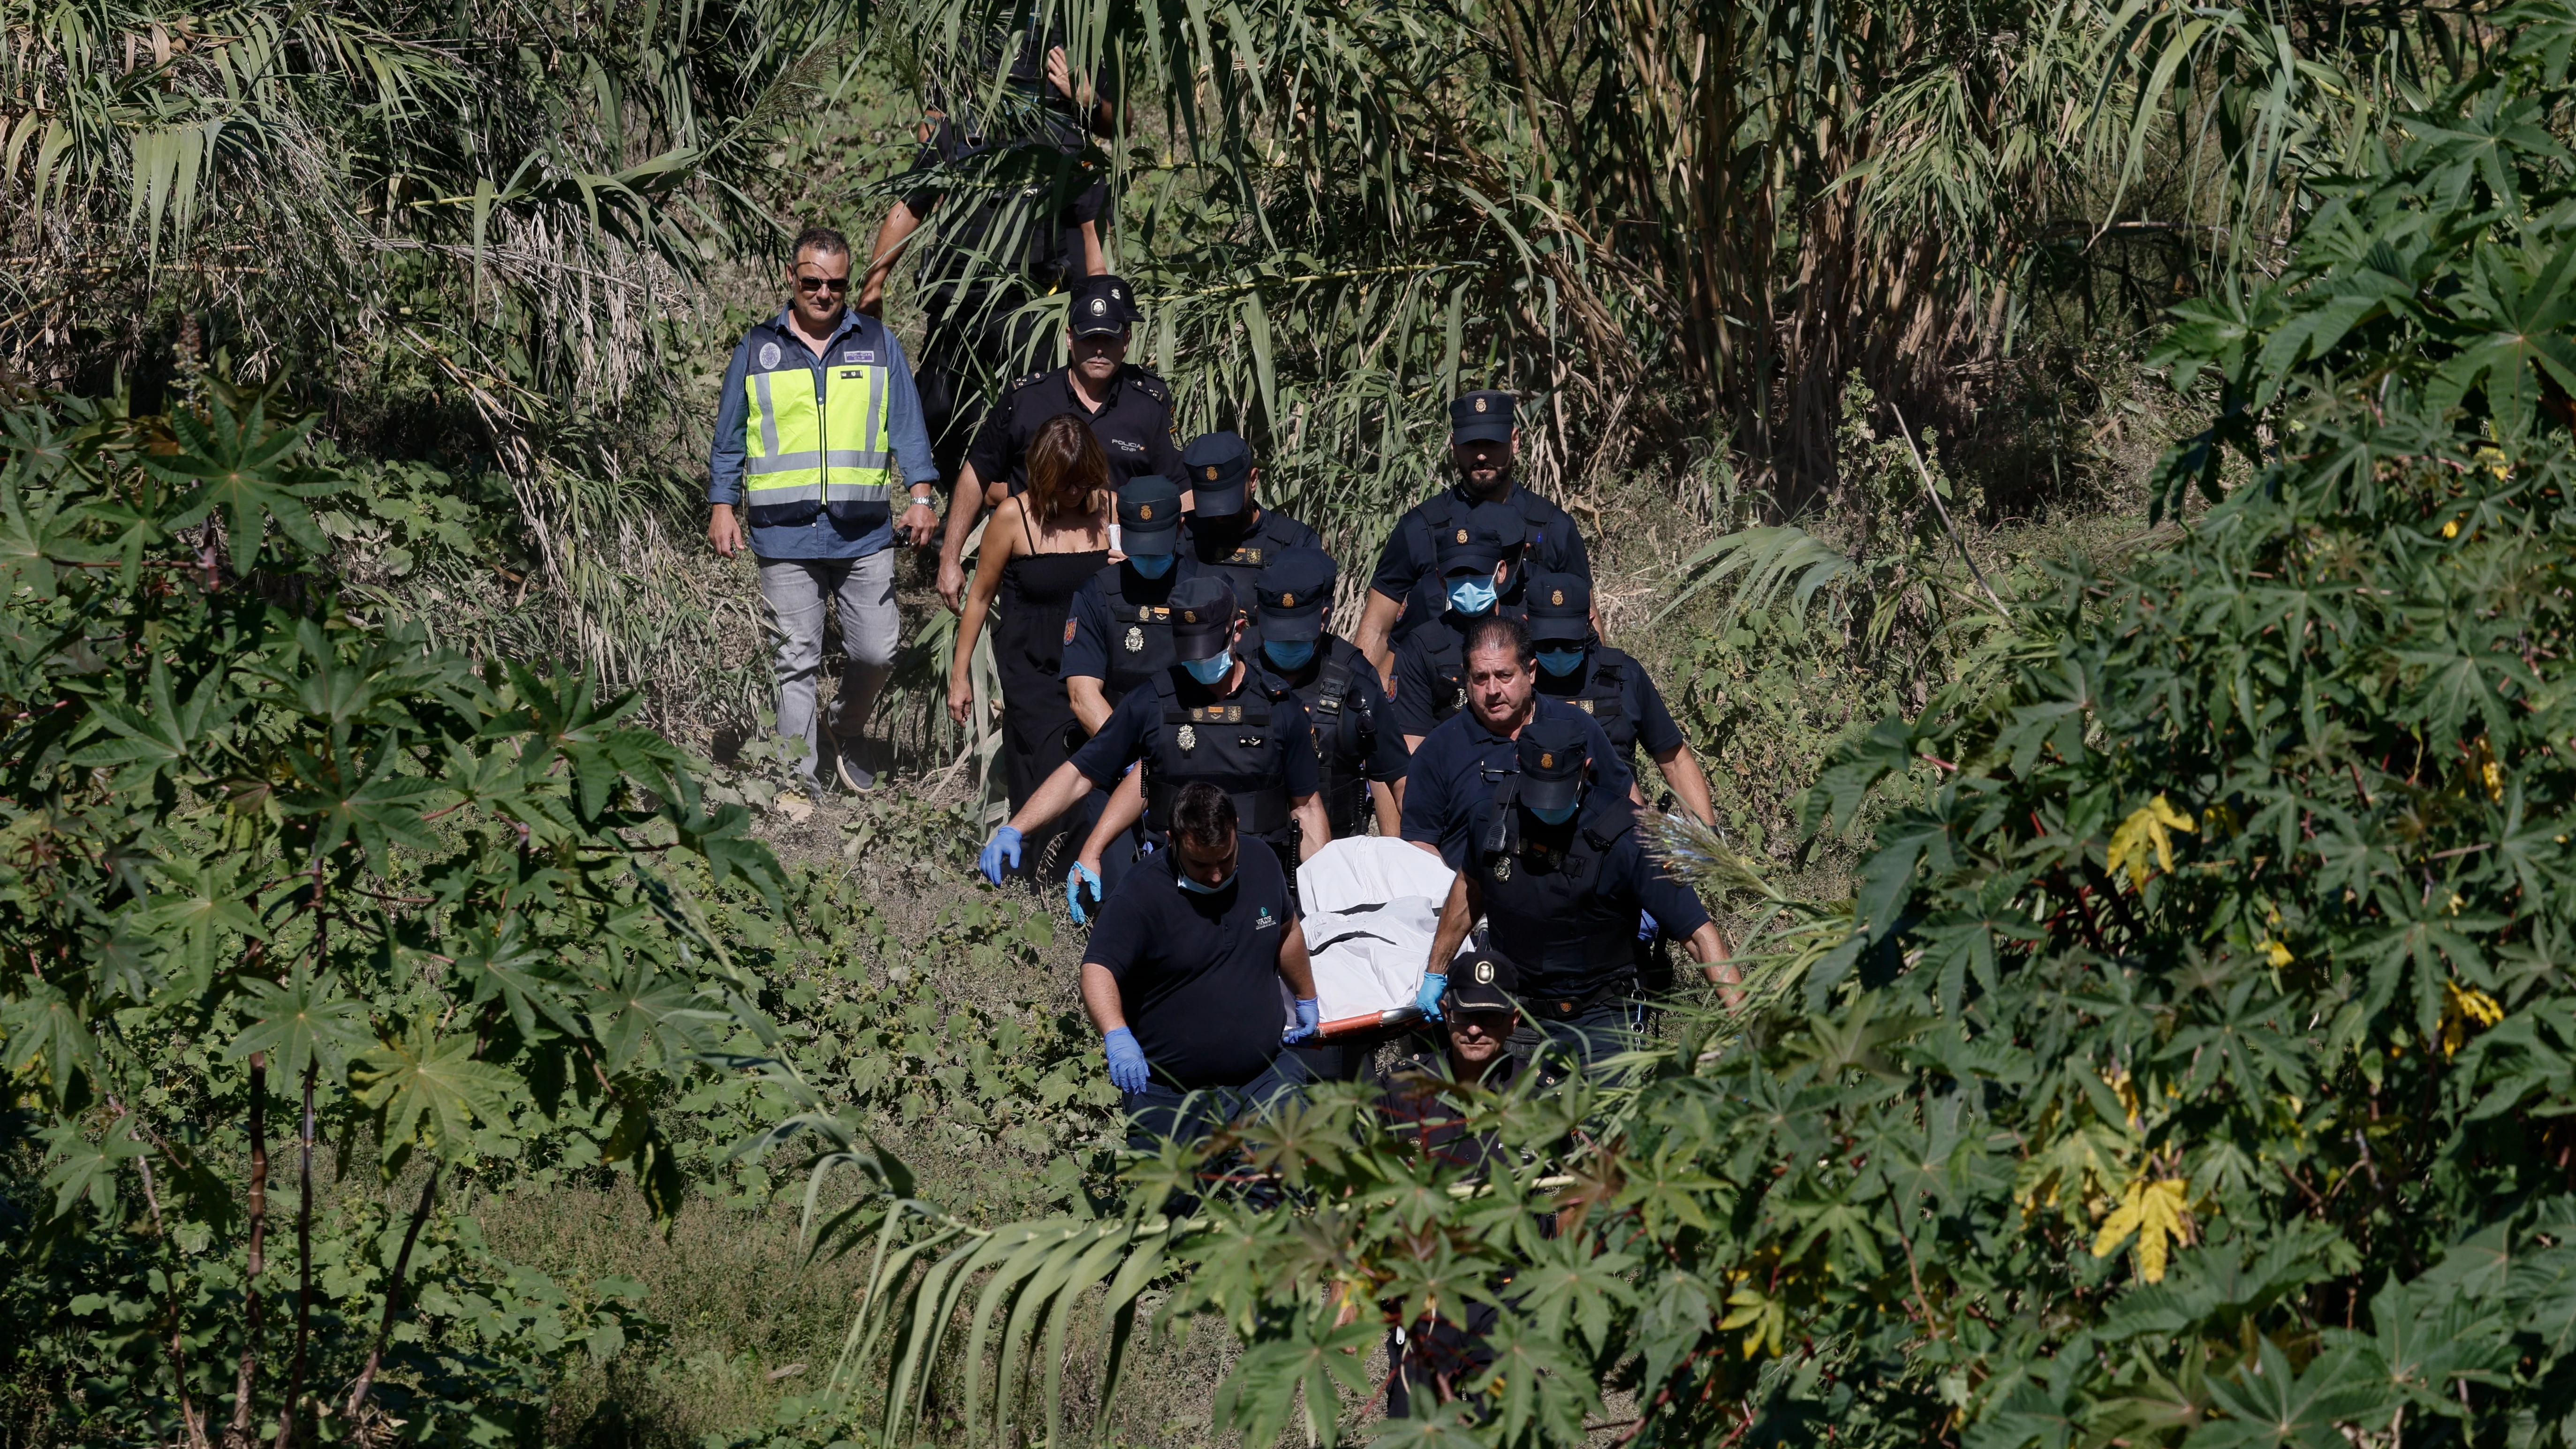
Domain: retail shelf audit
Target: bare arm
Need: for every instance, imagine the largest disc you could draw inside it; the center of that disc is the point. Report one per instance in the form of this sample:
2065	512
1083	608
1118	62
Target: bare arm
1708	947
1390	807
1295	967
1457	918
1090	704
1067	785
965	505
1095	257
900	223
1377	625
989	564
1314	827
1126	806
1101	999
1681	771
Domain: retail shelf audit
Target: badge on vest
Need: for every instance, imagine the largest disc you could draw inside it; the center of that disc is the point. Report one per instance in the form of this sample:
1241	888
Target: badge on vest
1187	738
768	356
1135	640
1503	867
1584	705
1247	557
1218	714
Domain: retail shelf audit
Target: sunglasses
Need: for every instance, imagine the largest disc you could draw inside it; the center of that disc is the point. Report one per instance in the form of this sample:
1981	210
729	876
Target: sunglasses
833	285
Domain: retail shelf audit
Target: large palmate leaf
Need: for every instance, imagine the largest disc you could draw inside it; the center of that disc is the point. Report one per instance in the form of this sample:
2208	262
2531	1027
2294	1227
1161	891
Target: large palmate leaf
302	1020
428	1090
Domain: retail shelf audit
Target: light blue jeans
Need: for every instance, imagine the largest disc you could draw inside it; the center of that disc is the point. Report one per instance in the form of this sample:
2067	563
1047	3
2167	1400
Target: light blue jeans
794	590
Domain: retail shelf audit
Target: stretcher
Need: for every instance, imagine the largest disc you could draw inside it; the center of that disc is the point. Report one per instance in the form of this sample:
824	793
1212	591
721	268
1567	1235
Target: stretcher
1370	906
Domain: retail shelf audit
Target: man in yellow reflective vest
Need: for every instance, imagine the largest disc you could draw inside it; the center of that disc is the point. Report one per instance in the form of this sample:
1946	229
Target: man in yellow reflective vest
817	432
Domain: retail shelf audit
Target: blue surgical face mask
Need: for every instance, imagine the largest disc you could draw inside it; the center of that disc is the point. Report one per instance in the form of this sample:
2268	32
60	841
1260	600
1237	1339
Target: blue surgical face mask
1561	661
1561	814
1198	887
1210	671
1288	654
1151	565
1471	595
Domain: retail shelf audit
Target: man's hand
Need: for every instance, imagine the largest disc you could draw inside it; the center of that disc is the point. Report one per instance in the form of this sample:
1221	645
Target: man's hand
1059	73
952	584
724	535
919	525
1080	883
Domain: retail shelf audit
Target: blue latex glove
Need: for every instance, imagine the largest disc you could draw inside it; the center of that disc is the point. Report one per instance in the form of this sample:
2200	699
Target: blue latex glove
1427	1000
1127	1070
1646	927
1074	880
1310	1020
1001	853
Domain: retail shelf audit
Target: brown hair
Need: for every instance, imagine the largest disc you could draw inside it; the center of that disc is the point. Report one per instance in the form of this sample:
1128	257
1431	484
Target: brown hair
1067	470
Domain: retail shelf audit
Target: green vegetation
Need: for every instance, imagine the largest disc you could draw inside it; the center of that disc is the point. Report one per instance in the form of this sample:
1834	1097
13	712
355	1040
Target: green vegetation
2159	1033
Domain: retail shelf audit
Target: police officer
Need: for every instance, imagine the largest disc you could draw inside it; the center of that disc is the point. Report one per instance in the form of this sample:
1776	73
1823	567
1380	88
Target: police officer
1404	592
1355	736
1026	218
1476	559
1463	757
1182	977
1556	868
1129	410
1609	685
1423	1101
1120	637
1227	532
1212	716
816	433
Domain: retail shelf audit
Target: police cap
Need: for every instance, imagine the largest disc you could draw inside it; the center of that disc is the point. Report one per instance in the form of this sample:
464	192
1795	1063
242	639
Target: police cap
1490	534
1217	465
1149	515
1483	980
1553	752
1100	305
1560	608
1202	617
1293	594
1481	417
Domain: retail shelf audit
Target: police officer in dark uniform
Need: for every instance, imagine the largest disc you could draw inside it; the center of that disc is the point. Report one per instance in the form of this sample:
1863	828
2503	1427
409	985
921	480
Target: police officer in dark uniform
1212	716
1556	868
1609	685
1463	757
1355	736
1229	534
1476	572
1020	202
1129	410
1404	592
1120	639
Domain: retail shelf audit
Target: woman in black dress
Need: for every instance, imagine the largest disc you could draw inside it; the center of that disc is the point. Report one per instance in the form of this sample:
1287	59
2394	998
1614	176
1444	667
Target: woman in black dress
1039	548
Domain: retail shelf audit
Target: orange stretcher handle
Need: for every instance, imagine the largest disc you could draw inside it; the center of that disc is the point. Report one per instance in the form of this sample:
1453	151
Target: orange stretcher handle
1373	1021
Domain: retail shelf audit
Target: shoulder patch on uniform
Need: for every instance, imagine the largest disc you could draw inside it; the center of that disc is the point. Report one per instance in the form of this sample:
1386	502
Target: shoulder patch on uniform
1152	386
1019	383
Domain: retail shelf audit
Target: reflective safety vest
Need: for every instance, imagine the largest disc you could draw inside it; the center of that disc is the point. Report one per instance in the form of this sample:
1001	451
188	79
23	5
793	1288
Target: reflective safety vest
808	448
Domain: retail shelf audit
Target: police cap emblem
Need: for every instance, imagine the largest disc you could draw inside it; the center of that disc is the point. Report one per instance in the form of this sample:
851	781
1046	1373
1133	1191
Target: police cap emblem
1287	601
1462	535
1145	514
1557	597
1211	472
1484	972
1099	307
1480	405
1547	762
1189	616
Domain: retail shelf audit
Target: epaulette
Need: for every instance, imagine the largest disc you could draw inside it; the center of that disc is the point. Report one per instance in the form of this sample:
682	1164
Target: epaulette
1018	383
1150	385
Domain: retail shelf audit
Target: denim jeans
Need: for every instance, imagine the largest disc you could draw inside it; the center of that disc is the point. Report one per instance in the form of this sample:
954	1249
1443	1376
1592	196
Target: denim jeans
1162	1110
794	589
1558	1046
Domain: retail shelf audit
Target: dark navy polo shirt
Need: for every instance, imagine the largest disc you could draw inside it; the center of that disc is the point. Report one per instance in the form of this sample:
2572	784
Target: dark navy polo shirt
1628	876
1459	762
1408	571
1198	975
1134	426
1136	726
1087	651
1643	717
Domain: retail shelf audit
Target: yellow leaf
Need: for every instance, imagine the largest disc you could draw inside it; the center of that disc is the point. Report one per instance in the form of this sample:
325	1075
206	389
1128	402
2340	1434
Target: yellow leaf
2126	1089
2144	834
2157	1213
2462	1006
1765	1318
2451	529
2275	952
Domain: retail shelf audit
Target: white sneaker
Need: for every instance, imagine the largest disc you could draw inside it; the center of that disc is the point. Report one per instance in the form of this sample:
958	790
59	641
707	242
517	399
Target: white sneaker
854	778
